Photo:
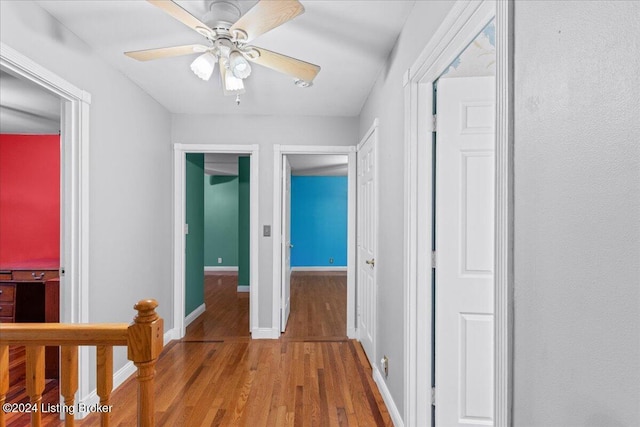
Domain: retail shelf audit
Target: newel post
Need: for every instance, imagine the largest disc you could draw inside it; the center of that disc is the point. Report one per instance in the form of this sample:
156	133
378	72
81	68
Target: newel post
145	342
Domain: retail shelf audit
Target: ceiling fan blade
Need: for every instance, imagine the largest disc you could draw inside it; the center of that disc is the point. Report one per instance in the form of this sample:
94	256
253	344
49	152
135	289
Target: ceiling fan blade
267	15
166	52
182	15
285	64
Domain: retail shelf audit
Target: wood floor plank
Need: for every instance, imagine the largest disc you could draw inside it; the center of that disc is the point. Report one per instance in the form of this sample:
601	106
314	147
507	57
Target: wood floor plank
217	376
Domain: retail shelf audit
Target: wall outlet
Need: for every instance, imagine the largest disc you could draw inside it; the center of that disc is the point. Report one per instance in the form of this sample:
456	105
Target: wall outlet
330	260
384	362
219	260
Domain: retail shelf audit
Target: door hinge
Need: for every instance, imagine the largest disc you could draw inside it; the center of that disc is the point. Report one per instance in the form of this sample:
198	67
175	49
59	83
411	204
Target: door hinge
433	396
433	259
435	122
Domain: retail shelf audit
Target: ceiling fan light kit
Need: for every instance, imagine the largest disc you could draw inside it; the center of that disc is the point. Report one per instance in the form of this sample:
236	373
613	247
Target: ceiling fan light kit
228	42
203	66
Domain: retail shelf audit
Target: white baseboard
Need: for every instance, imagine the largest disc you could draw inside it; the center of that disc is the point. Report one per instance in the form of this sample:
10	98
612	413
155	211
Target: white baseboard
386	396
220	269
352	333
330	268
243	288
171	335
194	314
265	334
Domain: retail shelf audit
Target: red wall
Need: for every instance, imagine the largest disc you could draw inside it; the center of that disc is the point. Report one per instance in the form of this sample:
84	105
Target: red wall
29	199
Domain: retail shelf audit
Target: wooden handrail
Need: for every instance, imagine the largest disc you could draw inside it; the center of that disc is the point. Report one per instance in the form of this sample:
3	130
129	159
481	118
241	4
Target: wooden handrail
57	334
143	338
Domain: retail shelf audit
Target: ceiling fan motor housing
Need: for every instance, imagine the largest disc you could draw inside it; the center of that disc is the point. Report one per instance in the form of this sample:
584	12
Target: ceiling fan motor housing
222	14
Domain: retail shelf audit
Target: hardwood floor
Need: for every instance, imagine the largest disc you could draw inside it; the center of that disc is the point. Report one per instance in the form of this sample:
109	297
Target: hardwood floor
319	306
217	376
227	312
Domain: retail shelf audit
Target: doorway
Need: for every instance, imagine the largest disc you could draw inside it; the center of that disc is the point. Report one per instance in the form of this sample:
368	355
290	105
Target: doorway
281	293
74	192
217	246
180	230
314	246
462	25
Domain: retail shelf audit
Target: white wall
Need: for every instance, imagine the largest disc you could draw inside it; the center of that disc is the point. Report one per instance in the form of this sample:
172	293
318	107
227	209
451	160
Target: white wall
577	214
130	169
265	131
386	102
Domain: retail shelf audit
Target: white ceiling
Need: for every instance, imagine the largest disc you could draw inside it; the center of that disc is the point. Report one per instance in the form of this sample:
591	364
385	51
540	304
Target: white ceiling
301	164
26	108
350	40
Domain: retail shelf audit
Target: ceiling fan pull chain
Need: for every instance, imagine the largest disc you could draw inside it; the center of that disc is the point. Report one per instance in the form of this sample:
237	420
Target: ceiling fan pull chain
238	100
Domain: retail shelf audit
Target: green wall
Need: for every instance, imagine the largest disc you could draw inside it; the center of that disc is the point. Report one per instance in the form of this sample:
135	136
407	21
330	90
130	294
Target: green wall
194	256
243	220
221	220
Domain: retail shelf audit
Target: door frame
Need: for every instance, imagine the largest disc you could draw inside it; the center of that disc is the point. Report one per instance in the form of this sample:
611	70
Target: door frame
179	218
74	194
465	20
350	152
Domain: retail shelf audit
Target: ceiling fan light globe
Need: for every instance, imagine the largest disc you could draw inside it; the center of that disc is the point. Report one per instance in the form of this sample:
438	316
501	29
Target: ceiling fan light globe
203	66
232	83
239	65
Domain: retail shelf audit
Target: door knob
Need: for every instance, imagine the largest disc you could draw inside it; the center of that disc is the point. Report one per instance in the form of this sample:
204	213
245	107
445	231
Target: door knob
371	262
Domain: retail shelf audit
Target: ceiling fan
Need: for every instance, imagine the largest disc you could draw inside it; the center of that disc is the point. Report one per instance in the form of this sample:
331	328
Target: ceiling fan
228	34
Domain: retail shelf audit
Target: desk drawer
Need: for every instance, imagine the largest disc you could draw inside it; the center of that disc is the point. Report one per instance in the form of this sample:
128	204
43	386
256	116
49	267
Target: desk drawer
31	275
6	310
7	293
5	275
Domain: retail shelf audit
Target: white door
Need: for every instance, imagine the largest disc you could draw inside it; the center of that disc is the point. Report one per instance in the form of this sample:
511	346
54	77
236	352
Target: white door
286	243
367	226
464	251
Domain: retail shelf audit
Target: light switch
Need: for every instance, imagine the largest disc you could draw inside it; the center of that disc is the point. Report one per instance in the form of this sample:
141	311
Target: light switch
266	231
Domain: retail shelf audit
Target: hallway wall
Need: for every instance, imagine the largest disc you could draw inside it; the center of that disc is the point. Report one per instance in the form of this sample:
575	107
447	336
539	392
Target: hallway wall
386	102
577	213
265	131
130	182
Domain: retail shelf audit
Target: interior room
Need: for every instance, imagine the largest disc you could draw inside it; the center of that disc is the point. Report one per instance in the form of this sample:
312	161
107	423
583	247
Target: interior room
153	102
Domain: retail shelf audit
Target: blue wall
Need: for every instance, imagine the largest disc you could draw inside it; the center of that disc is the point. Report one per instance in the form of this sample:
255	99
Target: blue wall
319	221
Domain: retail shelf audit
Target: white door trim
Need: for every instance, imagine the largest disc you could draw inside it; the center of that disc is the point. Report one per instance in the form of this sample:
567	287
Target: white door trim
459	28
350	151
74	186
179	213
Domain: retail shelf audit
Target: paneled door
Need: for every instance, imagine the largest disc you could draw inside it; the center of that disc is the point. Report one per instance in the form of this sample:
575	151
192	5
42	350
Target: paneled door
367	229
286	243
464	251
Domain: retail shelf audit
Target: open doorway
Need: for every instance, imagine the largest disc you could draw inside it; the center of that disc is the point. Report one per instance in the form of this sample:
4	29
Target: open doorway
68	115
314	246
308	257
493	408
217	273
190	160
463	286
